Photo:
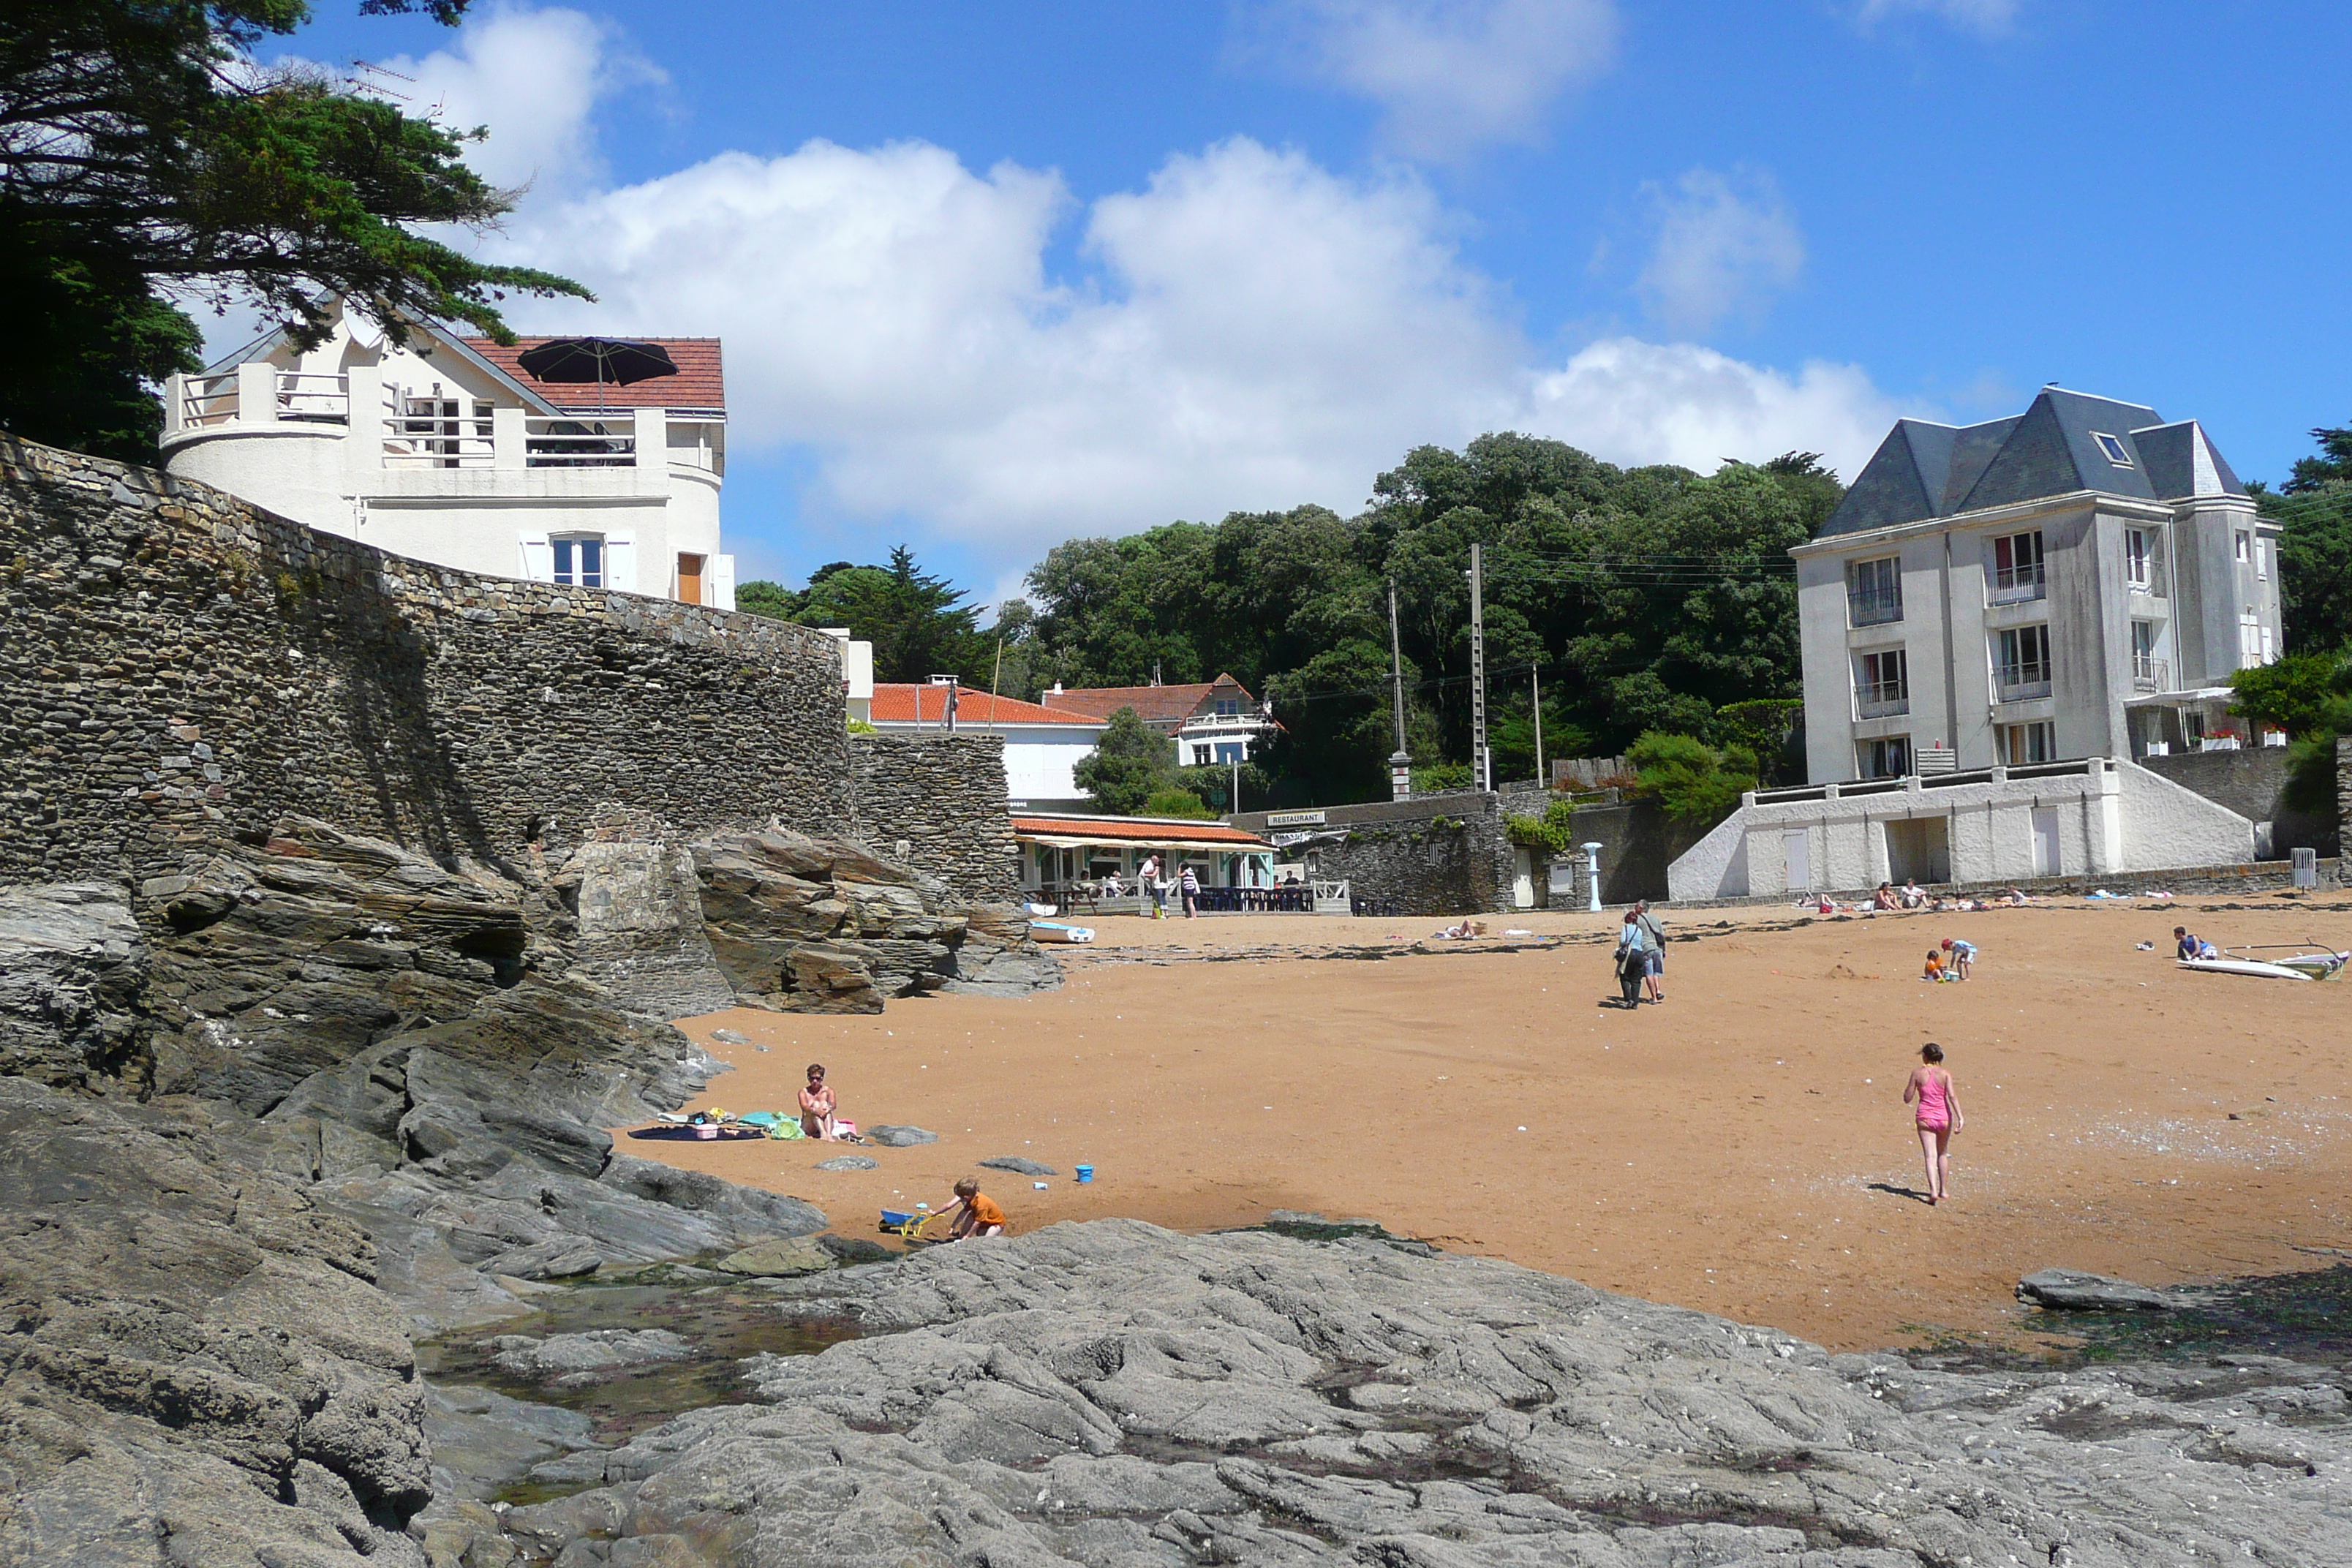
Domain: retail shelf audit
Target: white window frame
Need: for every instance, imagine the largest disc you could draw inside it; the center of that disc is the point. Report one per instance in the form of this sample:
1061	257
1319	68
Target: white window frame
2245	547
2031	731
1870	757
2139	557
2022	581
563	551
2018	638
1887	598
2262	548
2113	449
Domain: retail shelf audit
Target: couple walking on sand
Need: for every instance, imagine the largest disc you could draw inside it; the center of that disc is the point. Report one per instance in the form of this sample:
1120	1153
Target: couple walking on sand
1641	957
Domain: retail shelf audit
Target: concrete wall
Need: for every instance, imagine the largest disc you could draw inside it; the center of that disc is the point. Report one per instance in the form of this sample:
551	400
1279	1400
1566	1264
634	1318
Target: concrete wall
2252	781
176	666
942	796
2110	817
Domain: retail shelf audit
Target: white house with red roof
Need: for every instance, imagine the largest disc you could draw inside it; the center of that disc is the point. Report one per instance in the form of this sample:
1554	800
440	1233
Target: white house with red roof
1060	851
1211	722
445	449
1041	745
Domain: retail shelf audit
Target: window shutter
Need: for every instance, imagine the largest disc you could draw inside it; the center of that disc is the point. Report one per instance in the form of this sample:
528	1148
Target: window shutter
718	586
537	559
620	563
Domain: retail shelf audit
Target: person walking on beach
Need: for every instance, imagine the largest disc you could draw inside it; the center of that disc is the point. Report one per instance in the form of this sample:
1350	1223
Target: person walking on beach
1937	1116
1192	886
1633	961
1653	946
1150	876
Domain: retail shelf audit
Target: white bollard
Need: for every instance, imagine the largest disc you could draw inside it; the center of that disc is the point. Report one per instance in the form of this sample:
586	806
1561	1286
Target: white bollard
1592	859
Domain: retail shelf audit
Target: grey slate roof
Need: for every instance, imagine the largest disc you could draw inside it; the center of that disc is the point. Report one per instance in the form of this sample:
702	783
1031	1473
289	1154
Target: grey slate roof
1925	471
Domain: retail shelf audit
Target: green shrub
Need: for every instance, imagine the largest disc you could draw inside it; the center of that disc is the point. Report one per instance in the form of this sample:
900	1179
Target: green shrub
1174	802
1554	832
1690	779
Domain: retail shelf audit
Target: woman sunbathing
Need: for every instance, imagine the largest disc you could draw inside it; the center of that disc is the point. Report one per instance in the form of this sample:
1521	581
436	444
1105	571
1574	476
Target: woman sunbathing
817	1106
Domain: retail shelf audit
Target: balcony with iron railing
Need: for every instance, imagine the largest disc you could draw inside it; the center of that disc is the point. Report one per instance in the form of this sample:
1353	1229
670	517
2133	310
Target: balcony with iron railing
1873	606
2021	682
2150	674
2017	585
1882	700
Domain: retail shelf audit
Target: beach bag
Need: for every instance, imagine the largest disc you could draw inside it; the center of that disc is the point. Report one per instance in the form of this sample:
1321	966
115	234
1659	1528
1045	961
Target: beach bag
785	1128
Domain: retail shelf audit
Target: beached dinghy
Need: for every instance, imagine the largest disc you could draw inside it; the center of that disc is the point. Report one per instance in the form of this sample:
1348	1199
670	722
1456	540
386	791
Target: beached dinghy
1056	930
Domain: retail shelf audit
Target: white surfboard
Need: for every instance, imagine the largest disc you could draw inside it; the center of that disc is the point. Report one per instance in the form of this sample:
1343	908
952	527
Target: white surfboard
2244	966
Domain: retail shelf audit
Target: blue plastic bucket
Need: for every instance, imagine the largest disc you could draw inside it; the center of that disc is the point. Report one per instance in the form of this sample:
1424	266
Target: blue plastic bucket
1086	1175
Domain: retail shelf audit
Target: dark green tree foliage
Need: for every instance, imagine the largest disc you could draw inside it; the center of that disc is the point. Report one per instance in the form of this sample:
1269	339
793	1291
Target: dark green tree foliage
144	156
1130	765
1694	781
917	620
1650	598
2308	695
2313	509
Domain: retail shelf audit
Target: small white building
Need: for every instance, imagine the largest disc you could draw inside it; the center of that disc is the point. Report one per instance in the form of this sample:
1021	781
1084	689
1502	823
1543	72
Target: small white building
1059	849
2088	817
445	449
1041	745
1211	722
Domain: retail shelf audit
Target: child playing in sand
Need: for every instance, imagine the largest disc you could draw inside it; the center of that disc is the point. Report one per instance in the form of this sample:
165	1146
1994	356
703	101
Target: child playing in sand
1963	957
1934	965
2186	946
1938	1116
975	1213
817	1106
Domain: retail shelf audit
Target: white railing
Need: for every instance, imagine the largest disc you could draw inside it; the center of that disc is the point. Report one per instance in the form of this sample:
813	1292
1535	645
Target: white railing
2150	674
1333	898
572	441
314	397
1882	699
207	399
413	439
2019	682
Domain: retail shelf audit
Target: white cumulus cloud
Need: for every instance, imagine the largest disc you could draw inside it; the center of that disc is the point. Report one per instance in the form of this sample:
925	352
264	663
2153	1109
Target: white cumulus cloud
1638	402
1725	244
533	78
1453	76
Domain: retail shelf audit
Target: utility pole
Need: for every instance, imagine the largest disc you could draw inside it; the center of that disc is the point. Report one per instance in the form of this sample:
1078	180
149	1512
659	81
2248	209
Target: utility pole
1535	696
953	686
1238	786
1482	764
1400	760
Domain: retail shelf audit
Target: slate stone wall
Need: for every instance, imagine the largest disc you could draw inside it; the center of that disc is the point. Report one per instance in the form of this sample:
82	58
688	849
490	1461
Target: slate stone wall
2251	782
176	666
1441	853
943	796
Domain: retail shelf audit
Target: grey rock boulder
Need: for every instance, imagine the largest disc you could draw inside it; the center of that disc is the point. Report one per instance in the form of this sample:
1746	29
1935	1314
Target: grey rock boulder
900	1137
731	1036
72	963
2071	1290
780	1260
850	1162
1019	1165
573	1361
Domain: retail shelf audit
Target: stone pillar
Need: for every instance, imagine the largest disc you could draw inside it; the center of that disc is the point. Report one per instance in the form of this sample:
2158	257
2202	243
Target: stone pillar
257	394
653	439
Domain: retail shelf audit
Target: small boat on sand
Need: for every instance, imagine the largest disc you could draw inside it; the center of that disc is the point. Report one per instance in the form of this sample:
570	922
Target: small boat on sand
2310	961
1059	932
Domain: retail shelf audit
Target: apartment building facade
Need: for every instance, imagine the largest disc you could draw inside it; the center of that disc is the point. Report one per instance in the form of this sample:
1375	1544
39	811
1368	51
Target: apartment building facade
2078	581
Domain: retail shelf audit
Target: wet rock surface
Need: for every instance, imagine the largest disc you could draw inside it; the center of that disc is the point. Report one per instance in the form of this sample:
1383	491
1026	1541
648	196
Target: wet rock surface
2070	1289
1112	1392
71	966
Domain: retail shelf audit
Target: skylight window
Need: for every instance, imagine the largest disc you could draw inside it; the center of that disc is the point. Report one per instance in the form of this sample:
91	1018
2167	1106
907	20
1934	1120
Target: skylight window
2114	450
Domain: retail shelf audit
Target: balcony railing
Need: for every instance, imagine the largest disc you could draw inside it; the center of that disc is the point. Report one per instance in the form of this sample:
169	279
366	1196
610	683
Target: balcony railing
2021	682
207	399
2150	674
2015	584
569	443
1885	700
1870	607
314	397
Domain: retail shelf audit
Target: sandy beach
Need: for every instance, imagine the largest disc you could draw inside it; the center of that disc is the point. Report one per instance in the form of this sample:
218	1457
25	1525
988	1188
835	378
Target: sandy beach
1741	1148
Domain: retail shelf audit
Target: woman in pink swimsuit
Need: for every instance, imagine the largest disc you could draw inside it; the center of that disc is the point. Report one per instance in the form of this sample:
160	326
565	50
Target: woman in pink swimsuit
1938	1116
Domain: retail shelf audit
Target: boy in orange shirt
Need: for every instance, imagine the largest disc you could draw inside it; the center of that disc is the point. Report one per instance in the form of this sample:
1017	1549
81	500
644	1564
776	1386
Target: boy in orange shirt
976	1212
1935	964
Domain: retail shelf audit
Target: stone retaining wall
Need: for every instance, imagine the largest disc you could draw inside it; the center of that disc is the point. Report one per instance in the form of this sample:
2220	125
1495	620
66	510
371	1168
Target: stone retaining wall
2251	782
176	666
938	803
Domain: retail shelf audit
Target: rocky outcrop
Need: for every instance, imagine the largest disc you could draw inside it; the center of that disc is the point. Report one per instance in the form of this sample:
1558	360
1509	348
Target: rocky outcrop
71	967
813	925
196	1366
1112	1393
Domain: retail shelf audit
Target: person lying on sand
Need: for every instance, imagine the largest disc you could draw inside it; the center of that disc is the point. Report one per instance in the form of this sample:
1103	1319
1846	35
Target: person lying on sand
975	1213
817	1106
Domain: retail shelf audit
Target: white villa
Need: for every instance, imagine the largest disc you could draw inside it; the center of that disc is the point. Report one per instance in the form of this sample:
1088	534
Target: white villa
1211	722
446	450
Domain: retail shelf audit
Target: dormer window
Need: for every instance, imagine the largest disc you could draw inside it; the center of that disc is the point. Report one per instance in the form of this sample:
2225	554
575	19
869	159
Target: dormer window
2113	448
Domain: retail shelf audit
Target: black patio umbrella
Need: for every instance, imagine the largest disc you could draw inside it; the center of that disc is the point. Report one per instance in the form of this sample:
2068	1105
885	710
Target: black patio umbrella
615	362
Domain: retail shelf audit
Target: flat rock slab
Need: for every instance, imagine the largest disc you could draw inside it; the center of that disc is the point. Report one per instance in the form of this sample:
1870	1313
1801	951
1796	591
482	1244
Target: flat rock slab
850	1162
731	1036
769	1259
1020	1166
2071	1290
569	1360
900	1137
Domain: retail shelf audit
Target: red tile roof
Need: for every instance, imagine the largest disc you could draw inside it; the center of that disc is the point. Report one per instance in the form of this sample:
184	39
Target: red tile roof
698	384
1152	704
1120	829
896	703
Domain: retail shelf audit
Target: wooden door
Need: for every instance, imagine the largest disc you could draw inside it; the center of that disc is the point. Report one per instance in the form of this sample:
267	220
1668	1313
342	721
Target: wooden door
689	579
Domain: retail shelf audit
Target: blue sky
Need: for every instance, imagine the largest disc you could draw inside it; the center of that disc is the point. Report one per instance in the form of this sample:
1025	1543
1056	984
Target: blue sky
991	277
